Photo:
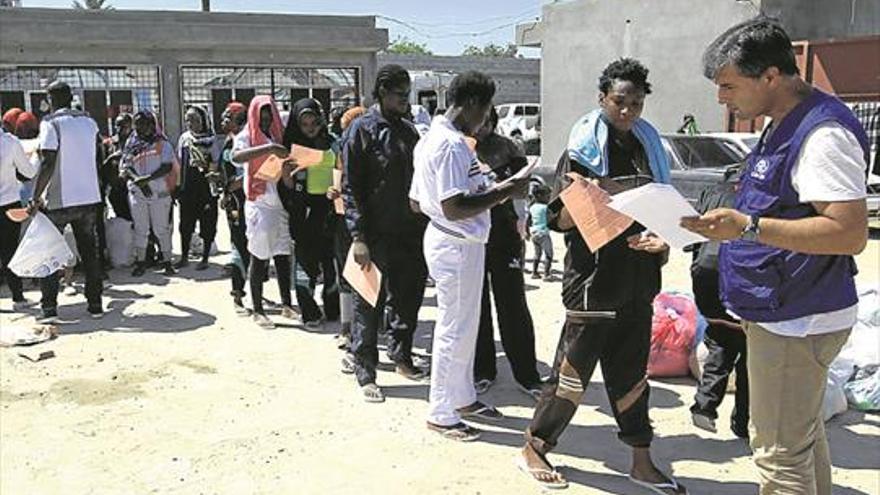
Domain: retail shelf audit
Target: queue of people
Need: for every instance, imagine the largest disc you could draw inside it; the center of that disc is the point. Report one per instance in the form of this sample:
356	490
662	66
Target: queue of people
775	280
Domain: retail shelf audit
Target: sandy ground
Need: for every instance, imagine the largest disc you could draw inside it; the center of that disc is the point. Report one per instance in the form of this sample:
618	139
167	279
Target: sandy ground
173	393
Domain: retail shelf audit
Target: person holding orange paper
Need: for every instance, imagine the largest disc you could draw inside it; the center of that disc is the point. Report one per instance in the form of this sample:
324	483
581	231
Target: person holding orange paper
378	161
314	151
265	218
607	294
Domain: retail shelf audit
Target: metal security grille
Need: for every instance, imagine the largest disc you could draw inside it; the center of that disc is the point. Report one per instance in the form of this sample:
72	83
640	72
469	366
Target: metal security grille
214	87
103	92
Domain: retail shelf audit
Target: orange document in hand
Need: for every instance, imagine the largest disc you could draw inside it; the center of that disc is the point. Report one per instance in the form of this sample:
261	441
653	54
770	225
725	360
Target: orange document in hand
337	184
305	157
366	282
587	204
271	168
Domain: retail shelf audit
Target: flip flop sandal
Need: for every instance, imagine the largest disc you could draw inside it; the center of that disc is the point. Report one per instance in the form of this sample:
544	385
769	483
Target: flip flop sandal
663	488
458	432
480	410
533	473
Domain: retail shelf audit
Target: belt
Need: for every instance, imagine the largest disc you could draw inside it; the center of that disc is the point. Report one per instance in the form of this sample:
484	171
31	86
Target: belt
448	231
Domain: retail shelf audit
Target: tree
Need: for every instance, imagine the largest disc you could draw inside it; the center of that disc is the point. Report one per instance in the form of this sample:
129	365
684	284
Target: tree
405	46
491	50
91	5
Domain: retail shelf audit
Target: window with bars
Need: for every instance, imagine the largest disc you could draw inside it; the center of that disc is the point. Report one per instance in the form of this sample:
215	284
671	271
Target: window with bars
214	87
103	92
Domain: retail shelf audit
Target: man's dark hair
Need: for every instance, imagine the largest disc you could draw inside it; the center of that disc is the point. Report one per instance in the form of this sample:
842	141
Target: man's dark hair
625	69
60	93
751	47
471	85
390	76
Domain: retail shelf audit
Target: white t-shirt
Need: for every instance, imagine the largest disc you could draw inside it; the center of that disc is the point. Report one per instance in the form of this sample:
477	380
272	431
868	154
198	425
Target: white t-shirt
831	167
268	199
445	167
75	179
12	159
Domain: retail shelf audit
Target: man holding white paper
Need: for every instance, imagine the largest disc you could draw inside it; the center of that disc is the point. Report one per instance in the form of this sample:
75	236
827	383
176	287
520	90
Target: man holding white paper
608	293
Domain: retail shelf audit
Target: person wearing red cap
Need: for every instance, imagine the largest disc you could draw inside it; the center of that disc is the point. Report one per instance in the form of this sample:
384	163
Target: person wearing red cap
10	118
27	126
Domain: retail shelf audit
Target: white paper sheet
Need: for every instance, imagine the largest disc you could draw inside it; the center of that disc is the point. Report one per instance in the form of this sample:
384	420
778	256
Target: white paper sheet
659	207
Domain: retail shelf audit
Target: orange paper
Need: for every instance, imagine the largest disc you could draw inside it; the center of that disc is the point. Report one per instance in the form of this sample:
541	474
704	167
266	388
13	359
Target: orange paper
271	168
17	215
366	282
587	204
305	157
338	205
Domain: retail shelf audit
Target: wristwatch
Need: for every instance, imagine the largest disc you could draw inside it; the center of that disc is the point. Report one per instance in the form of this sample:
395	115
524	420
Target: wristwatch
751	231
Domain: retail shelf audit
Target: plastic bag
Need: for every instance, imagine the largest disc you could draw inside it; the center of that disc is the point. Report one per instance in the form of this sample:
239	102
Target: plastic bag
863	392
42	250
120	241
839	373
673	331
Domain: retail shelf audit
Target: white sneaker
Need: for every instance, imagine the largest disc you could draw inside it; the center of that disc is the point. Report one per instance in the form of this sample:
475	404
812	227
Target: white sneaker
263	321
22	306
69	290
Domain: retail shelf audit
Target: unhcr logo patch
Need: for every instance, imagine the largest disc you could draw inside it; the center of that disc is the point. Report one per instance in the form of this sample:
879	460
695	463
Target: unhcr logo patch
760	171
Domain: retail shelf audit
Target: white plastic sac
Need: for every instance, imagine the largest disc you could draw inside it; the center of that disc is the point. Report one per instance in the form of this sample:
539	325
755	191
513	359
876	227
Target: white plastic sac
42	250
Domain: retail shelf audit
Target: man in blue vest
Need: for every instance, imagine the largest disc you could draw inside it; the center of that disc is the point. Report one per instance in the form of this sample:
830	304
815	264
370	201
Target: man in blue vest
787	267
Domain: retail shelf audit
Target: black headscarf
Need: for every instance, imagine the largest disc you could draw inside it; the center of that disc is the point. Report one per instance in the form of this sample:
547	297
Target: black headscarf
293	134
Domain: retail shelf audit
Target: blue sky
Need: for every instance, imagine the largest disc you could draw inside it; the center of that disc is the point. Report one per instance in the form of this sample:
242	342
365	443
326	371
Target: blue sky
446	27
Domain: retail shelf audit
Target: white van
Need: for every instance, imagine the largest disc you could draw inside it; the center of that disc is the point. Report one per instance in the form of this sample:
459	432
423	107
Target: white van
521	120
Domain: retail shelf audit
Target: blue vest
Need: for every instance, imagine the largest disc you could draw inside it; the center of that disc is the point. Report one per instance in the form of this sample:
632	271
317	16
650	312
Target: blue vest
766	284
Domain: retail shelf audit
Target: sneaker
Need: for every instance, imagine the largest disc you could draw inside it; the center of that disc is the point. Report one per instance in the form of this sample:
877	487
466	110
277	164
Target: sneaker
343	341
703	422
407	370
372	393
347	364
183	262
289	313
69	290
48	318
97	312
140	268
263	321
314	323
22	305
202	266
548	277
240	310
536	276
169	270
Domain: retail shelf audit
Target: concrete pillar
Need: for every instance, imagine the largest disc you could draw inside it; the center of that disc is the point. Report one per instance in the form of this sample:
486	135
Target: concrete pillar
171	99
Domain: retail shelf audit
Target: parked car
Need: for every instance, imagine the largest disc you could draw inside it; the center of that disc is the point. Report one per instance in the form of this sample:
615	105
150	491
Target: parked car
699	161
522	120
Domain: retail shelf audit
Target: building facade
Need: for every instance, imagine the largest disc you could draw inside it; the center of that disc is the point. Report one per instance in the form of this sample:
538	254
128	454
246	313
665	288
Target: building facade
125	60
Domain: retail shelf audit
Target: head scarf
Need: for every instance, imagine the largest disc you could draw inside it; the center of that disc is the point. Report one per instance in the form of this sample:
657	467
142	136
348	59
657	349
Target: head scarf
236	107
207	128
294	135
136	143
256	186
27	126
10	118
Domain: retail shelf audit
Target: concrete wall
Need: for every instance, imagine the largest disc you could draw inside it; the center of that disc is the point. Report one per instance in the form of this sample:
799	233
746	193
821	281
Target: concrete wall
516	79
821	19
171	39
581	37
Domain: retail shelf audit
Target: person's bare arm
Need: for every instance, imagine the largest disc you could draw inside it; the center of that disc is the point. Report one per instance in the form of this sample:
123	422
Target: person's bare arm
248	154
48	160
839	228
463	206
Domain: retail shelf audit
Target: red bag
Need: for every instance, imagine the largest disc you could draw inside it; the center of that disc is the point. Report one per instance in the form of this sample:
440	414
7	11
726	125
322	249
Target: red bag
673	328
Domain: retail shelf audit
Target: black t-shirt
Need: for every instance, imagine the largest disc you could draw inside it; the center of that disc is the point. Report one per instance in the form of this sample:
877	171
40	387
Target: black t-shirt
616	275
505	159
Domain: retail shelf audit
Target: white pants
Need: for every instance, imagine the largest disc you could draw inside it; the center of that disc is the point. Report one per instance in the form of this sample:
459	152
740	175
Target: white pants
267	232
146	213
457	268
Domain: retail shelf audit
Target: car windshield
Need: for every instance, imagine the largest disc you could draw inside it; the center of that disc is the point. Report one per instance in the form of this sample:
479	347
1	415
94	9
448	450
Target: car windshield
706	152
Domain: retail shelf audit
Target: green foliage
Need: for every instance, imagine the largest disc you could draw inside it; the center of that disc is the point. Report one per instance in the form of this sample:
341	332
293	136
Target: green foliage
92	5
491	50
405	46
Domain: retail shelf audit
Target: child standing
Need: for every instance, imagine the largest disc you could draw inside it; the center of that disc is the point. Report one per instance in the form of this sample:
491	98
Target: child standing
540	233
